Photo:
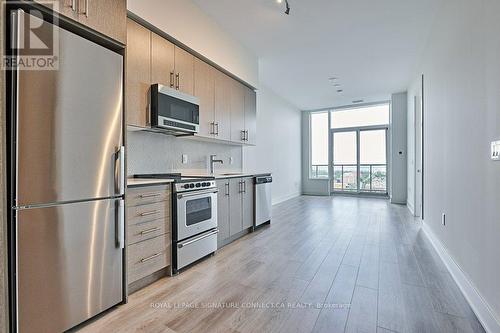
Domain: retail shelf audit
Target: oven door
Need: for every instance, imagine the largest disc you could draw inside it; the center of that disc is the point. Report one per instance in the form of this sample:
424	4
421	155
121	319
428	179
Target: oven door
196	213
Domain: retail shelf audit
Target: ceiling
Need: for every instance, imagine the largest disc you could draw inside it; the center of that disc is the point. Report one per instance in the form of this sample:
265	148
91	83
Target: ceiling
372	46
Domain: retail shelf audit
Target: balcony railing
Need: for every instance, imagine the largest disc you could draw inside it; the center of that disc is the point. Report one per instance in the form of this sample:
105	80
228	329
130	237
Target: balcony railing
319	171
372	177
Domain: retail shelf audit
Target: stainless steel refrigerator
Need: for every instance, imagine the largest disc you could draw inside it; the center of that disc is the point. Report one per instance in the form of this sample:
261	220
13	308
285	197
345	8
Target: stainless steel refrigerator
68	166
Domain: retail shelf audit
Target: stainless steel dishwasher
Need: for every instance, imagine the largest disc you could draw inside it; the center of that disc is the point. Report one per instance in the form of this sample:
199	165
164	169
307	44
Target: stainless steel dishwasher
263	204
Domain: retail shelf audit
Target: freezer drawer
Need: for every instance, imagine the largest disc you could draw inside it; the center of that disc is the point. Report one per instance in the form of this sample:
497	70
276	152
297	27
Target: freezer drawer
69	264
192	249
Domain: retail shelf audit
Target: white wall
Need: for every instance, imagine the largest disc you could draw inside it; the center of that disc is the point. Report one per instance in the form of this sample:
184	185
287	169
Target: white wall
461	65
278	144
398	148
184	21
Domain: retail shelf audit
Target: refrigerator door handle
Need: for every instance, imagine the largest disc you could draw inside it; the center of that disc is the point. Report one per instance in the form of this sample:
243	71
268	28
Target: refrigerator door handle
120	171
120	228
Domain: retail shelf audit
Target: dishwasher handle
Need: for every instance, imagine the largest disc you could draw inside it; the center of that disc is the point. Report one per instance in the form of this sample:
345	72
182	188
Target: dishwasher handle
263	179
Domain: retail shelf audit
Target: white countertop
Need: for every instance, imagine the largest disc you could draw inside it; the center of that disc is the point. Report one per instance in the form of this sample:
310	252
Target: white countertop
225	175
137	182
133	182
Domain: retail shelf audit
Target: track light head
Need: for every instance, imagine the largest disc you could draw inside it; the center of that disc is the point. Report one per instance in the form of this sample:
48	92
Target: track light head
287	11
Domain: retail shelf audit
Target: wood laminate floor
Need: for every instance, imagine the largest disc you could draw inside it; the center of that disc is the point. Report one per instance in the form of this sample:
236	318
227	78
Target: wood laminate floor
326	264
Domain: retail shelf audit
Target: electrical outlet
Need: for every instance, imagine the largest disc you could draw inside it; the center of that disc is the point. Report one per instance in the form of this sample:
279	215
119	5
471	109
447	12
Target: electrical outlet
231	160
443	219
184	159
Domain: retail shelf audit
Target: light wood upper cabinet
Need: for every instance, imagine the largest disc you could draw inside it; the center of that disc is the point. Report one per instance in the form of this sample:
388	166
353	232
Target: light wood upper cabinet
138	61
184	71
237	111
64	7
222	106
108	17
162	61
250	116
204	89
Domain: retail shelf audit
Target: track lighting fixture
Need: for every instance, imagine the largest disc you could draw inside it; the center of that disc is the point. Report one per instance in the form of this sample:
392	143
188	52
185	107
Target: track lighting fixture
287	11
287	5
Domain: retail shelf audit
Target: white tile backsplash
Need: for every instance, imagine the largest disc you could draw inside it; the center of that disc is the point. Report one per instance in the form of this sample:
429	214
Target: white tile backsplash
159	153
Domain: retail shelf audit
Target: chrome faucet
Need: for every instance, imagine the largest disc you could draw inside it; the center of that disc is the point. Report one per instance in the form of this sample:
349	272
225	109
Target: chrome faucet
212	162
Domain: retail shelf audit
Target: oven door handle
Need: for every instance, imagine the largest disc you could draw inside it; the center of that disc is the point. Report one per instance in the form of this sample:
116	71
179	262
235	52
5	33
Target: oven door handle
180	196
211	233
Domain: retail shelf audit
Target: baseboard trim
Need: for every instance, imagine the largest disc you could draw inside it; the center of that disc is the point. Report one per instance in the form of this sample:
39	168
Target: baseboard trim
285	198
478	304
410	208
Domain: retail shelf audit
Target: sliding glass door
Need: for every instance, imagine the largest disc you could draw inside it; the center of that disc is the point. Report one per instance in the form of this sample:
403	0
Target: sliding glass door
360	160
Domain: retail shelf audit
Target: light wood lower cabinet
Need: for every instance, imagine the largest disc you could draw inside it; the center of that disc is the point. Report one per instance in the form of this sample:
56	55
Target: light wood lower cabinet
223	210
235	207
247	199
149	237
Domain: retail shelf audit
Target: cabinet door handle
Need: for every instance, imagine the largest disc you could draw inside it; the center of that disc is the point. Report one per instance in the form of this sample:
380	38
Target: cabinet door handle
217	129
227	188
85	8
151	257
212	125
73	5
148	231
244	186
171	79
153	212
242	135
149	195
177	81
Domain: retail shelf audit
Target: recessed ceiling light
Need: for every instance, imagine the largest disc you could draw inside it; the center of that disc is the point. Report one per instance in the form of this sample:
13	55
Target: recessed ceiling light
333	79
336	85
357	101
279	1
340	91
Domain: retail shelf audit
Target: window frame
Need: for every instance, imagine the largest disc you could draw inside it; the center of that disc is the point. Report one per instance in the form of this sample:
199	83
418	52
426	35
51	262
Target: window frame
309	162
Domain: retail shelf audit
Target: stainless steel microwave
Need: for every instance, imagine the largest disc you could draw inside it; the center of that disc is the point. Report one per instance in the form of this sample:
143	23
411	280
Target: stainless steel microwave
174	112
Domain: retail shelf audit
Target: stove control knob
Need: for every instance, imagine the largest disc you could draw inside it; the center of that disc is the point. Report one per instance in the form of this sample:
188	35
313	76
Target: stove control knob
191	185
186	186
198	184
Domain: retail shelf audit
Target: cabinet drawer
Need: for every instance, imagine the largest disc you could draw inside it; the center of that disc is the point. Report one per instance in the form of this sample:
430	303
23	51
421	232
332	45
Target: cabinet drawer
148	195
142	231
147	257
145	213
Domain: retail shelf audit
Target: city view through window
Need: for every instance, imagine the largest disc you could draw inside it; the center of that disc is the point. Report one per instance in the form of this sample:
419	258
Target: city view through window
359	148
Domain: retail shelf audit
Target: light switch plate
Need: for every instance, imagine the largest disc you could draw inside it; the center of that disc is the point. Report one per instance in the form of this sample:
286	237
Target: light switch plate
231	160
184	159
495	150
